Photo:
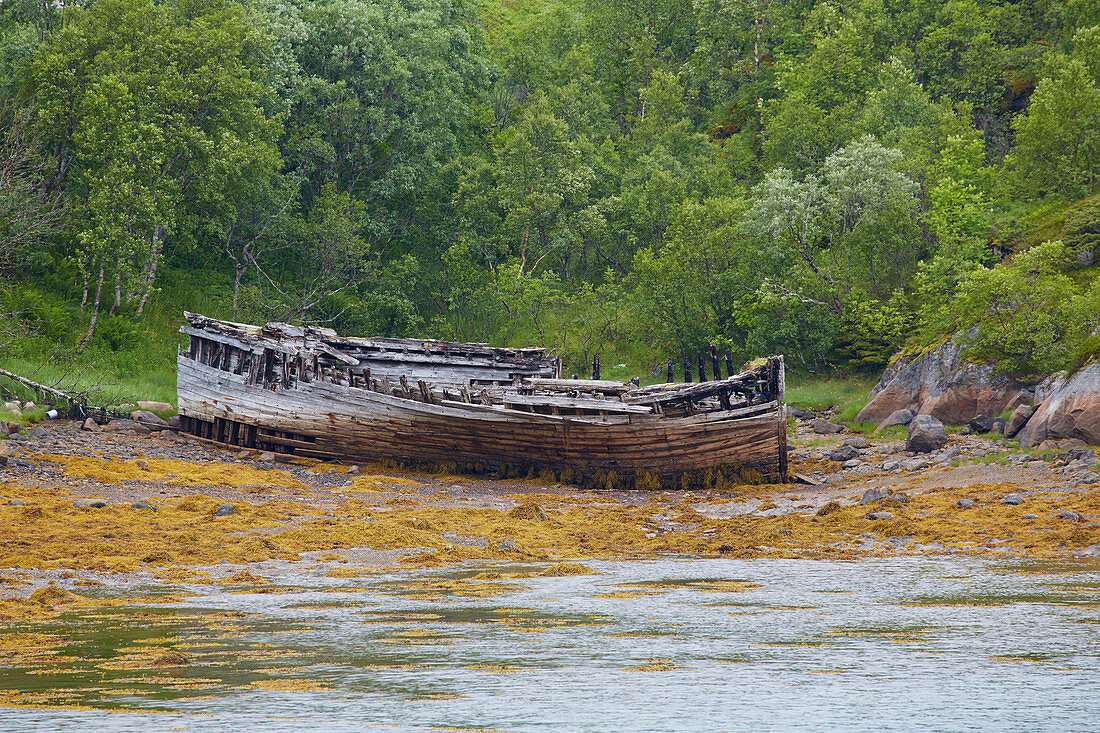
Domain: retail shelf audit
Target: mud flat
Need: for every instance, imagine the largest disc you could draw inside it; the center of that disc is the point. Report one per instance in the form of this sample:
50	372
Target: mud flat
117	503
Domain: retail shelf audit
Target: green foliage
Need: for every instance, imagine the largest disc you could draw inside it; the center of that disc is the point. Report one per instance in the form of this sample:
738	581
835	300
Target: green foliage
635	180
1029	317
1058	148
1081	231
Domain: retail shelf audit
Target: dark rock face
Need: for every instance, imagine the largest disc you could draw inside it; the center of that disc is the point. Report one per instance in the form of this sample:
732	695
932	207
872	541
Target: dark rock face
982	424
1070	409
943	384
926	434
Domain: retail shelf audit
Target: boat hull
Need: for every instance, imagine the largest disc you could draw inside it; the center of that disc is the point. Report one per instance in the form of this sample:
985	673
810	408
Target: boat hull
337	421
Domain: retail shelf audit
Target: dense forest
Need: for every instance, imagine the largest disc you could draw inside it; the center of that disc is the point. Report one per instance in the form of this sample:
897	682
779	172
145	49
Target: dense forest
835	181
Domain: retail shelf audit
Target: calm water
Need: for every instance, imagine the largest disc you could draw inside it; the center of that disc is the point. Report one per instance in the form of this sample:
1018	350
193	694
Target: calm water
909	644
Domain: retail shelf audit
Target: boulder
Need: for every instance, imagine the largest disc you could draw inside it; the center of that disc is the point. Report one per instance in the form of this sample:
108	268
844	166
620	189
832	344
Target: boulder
154	406
1068	515
149	420
926	434
857	441
982	424
844	453
942	383
90	425
223	510
825	427
800	414
897	417
1070	409
880	515
875	494
1012	499
965	503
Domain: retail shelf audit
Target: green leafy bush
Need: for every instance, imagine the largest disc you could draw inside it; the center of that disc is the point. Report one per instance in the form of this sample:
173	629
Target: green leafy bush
1028	316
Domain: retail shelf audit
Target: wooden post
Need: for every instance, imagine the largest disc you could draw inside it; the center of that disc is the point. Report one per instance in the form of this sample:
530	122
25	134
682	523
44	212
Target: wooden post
687	368
702	367
596	366
714	365
668	370
729	362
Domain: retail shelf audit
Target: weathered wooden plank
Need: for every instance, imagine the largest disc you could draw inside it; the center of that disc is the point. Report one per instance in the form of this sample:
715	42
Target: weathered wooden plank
605	386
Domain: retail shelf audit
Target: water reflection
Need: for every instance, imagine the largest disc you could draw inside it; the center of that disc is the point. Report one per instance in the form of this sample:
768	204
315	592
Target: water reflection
677	644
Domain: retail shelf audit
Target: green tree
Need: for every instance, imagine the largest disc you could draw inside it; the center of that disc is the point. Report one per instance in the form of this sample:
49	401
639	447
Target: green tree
1028	316
1058	147
153	116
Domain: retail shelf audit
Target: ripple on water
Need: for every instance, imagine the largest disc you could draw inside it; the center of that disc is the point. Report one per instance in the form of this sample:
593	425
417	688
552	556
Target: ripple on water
675	644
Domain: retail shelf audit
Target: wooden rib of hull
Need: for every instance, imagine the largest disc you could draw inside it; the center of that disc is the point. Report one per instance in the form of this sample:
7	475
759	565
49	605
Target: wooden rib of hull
326	420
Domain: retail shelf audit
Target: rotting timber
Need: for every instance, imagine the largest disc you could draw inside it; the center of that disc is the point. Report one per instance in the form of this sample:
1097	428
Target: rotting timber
309	392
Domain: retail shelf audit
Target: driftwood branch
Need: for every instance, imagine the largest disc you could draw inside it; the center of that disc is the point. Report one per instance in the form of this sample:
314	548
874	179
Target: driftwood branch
76	398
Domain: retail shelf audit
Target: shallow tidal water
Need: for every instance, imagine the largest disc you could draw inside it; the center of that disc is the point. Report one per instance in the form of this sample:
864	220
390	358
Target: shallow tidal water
673	644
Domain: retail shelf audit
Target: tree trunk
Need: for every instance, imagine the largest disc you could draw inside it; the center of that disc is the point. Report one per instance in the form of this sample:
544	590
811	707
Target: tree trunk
149	272
238	273
118	293
95	312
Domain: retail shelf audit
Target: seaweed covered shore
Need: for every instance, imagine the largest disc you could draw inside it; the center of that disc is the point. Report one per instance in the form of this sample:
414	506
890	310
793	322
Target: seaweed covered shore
82	507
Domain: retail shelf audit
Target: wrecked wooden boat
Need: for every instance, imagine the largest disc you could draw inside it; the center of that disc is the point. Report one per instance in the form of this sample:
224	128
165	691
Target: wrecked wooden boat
309	392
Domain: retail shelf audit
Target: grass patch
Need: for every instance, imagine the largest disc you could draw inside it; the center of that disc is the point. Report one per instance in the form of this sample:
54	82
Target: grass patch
844	396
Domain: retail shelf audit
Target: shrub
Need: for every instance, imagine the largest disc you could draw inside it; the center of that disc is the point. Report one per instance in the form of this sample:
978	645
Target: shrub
1028	316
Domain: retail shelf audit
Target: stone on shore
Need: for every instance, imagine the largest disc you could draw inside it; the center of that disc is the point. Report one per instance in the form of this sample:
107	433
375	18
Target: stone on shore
875	494
895	418
90	425
149	420
879	515
1013	499
926	434
965	503
1018	419
844	453
825	427
223	510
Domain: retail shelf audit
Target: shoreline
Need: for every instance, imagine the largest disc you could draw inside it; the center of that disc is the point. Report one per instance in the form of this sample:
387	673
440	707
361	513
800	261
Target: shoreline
67	496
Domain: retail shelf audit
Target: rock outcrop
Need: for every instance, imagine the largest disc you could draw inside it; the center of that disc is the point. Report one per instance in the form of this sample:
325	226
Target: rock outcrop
943	384
1070	408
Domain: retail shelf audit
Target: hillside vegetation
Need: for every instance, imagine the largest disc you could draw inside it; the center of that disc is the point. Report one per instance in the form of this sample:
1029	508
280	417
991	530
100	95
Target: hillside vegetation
835	181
